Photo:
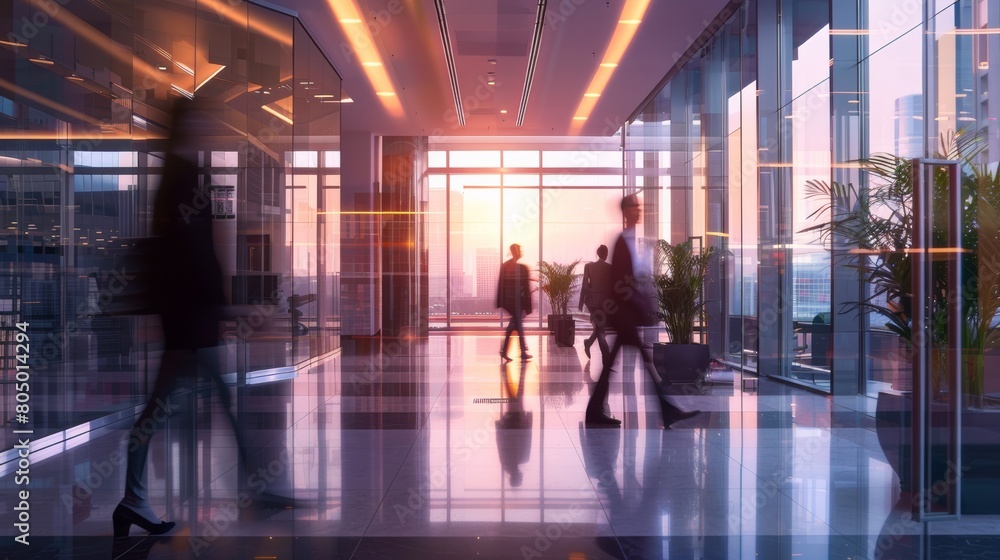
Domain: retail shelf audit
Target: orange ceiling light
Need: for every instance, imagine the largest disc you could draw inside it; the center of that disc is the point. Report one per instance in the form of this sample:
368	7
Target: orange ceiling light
628	23
364	50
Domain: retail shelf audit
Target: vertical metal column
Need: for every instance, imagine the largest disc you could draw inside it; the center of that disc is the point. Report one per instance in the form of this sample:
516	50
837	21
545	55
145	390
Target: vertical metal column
922	283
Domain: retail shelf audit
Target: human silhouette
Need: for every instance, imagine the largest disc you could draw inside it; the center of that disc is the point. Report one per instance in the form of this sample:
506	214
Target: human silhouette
595	290
187	292
626	313
514	426
514	296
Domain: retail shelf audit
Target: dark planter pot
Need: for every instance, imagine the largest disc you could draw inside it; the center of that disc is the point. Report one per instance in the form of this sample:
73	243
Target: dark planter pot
980	449
563	329
681	363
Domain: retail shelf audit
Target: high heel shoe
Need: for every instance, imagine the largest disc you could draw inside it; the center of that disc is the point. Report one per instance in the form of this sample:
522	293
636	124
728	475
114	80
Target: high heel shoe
123	518
671	413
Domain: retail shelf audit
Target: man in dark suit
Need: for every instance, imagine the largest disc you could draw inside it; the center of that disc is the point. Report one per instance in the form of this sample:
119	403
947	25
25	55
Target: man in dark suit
628	311
595	290
514	295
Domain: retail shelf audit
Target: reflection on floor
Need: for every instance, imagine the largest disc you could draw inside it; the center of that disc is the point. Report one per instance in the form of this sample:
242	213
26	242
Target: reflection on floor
432	448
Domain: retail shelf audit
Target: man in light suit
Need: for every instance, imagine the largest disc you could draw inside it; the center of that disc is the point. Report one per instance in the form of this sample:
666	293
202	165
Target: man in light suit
627	313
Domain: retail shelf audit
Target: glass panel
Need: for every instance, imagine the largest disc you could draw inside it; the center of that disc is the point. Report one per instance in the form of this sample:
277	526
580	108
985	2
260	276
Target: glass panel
521	225
475	254
581	158
437	158
439	243
475	158
520	158
82	194
577	221
895	78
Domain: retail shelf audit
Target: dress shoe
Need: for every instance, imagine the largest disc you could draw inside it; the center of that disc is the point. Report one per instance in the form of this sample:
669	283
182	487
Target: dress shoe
123	518
602	421
676	415
586	346
525	355
505	357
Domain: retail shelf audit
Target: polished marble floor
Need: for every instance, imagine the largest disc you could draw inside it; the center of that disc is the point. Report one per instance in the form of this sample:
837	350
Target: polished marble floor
432	448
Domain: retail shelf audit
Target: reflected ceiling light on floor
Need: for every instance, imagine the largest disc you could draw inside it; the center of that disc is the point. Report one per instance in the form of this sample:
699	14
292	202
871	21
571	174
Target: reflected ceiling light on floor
363	49
628	23
17	44
449	57
536	42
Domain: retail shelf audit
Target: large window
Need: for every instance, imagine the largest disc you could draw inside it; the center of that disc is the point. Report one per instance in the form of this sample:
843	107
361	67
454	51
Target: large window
558	204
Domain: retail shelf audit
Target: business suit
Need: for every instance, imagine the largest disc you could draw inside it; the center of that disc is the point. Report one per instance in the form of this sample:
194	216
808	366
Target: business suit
626	314
514	296
595	293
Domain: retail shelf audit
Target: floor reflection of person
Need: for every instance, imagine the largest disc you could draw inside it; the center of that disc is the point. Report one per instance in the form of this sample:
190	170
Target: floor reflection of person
514	296
514	427
595	290
626	313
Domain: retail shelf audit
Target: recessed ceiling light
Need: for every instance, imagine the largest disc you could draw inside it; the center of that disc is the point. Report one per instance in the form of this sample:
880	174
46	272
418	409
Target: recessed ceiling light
630	21
41	60
324	95
74	78
503	111
579	118
13	43
371	63
385	93
161	68
609	65
591	94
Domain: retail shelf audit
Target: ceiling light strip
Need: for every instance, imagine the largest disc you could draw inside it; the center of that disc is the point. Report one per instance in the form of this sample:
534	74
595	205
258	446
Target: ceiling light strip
536	41
449	56
628	23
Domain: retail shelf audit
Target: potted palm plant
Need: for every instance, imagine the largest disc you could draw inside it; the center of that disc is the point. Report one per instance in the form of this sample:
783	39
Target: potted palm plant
557	282
877	223
679	280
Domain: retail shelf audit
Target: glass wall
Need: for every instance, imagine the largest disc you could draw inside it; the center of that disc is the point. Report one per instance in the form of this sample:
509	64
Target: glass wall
85	92
773	129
